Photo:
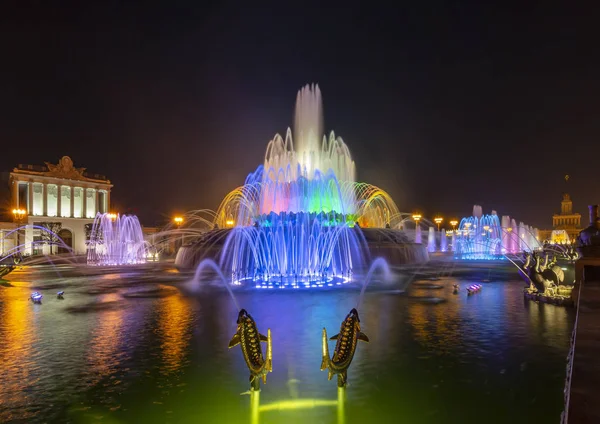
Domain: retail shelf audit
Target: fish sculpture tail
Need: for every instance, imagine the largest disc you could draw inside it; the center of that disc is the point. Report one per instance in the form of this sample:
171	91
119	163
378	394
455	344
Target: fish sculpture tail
325	363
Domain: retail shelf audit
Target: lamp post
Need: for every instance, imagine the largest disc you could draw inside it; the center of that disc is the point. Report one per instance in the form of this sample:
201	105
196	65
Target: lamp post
417	217
454	223
438	220
178	222
19	215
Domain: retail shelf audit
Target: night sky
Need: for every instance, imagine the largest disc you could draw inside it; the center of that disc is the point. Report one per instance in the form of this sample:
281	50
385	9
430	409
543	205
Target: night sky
442	105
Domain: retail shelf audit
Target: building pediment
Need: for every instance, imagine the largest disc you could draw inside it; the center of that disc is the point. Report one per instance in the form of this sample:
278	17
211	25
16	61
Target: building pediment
65	169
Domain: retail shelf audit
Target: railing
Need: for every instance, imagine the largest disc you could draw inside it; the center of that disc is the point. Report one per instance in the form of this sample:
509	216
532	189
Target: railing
564	418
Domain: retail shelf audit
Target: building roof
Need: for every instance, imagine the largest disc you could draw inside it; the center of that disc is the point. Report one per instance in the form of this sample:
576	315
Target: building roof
64	169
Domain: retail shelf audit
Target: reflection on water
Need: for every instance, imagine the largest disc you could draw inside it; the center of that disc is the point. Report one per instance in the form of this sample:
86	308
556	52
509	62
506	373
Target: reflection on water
174	331
104	352
16	342
161	357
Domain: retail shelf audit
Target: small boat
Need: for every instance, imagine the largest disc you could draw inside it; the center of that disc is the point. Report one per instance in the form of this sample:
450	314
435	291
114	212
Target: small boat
36	297
60	295
474	288
456	287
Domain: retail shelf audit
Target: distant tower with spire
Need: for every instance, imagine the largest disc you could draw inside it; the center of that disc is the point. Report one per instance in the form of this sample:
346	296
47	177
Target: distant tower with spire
567	221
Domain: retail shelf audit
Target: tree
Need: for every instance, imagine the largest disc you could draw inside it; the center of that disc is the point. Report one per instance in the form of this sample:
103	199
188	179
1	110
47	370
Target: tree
50	234
97	236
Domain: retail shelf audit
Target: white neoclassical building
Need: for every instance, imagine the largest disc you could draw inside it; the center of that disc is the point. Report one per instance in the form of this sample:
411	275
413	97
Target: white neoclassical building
60	197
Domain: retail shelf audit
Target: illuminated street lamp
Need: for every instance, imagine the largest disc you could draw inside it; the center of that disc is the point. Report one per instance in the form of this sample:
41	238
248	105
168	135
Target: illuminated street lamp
178	220
438	220
229	222
19	215
416	217
454	223
112	216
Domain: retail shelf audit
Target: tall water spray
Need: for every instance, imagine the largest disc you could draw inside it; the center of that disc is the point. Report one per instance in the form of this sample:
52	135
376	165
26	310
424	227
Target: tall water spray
484	237
116	240
443	241
294	218
431	240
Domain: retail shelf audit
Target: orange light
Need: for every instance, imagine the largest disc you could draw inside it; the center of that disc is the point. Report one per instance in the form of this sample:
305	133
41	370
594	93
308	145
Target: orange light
112	216
229	222
178	220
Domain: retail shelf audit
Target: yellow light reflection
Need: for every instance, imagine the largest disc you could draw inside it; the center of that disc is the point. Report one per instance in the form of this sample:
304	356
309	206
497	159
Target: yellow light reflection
16	349
104	345
175	317
297	404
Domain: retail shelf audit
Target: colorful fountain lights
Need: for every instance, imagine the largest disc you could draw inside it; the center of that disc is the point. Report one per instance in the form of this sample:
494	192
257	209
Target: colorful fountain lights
484	237
294	217
116	240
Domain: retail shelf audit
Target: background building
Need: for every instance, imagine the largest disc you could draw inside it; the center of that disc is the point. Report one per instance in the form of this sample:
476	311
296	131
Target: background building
61	198
565	226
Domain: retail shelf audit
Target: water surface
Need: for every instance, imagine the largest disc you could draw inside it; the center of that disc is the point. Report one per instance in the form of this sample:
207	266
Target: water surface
135	347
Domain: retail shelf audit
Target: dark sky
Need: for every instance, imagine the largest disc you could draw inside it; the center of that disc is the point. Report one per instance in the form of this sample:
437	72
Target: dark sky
442	105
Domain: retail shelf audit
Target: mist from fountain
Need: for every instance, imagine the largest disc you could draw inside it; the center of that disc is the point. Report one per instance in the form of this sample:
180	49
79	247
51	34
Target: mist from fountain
116	240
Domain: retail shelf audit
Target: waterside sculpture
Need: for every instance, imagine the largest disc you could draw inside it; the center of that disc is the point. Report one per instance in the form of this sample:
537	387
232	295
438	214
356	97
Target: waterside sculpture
248	337
545	281
347	339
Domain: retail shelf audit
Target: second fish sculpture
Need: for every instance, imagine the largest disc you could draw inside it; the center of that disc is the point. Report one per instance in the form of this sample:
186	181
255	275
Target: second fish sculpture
248	337
347	339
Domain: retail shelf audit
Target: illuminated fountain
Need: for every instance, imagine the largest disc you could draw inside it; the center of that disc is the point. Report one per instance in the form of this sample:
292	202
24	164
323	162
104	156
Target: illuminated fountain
301	219
443	241
485	237
116	240
431	240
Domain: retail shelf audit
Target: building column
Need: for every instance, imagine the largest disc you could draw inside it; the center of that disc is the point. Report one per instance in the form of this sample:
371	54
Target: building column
45	199
58	199
84	203
97	209
72	191
108	200
29	198
15	194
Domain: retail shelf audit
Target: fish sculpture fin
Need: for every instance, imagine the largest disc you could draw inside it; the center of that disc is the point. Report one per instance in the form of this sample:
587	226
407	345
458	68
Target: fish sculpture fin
235	340
362	336
330	375
334	337
262	338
